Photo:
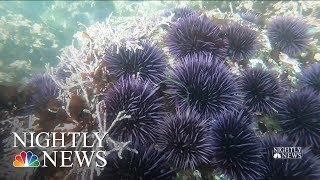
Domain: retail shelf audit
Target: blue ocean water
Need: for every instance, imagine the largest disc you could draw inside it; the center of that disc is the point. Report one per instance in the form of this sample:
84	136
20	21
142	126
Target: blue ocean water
35	31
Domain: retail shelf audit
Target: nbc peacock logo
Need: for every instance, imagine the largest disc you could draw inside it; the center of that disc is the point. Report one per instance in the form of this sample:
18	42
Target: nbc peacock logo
26	160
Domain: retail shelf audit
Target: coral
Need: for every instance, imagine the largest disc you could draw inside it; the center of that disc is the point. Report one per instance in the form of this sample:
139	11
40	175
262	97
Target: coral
236	150
184	139
308	165
140	100
289	35
43	90
311	78
201	83
252	16
261	90
299	117
149	63
146	163
243	42
196	34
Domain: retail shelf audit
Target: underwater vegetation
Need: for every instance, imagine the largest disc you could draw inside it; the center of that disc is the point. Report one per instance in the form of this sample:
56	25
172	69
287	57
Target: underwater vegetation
189	91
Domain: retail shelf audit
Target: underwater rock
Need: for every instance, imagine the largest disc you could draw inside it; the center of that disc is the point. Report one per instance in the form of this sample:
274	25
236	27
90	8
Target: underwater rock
8	96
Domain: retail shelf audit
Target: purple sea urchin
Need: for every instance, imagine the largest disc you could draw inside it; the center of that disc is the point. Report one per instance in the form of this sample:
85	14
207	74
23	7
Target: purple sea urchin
203	84
311	78
180	13
148	163
299	117
148	63
140	100
243	42
289	35
236	150
305	167
43	89
196	34
184	139
261	90
253	17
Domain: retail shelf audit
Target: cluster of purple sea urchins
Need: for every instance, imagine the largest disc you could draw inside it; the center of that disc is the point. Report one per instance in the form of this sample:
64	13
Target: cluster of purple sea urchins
212	122
146	163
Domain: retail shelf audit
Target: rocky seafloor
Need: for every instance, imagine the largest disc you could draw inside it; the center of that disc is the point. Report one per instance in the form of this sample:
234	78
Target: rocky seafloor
184	90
